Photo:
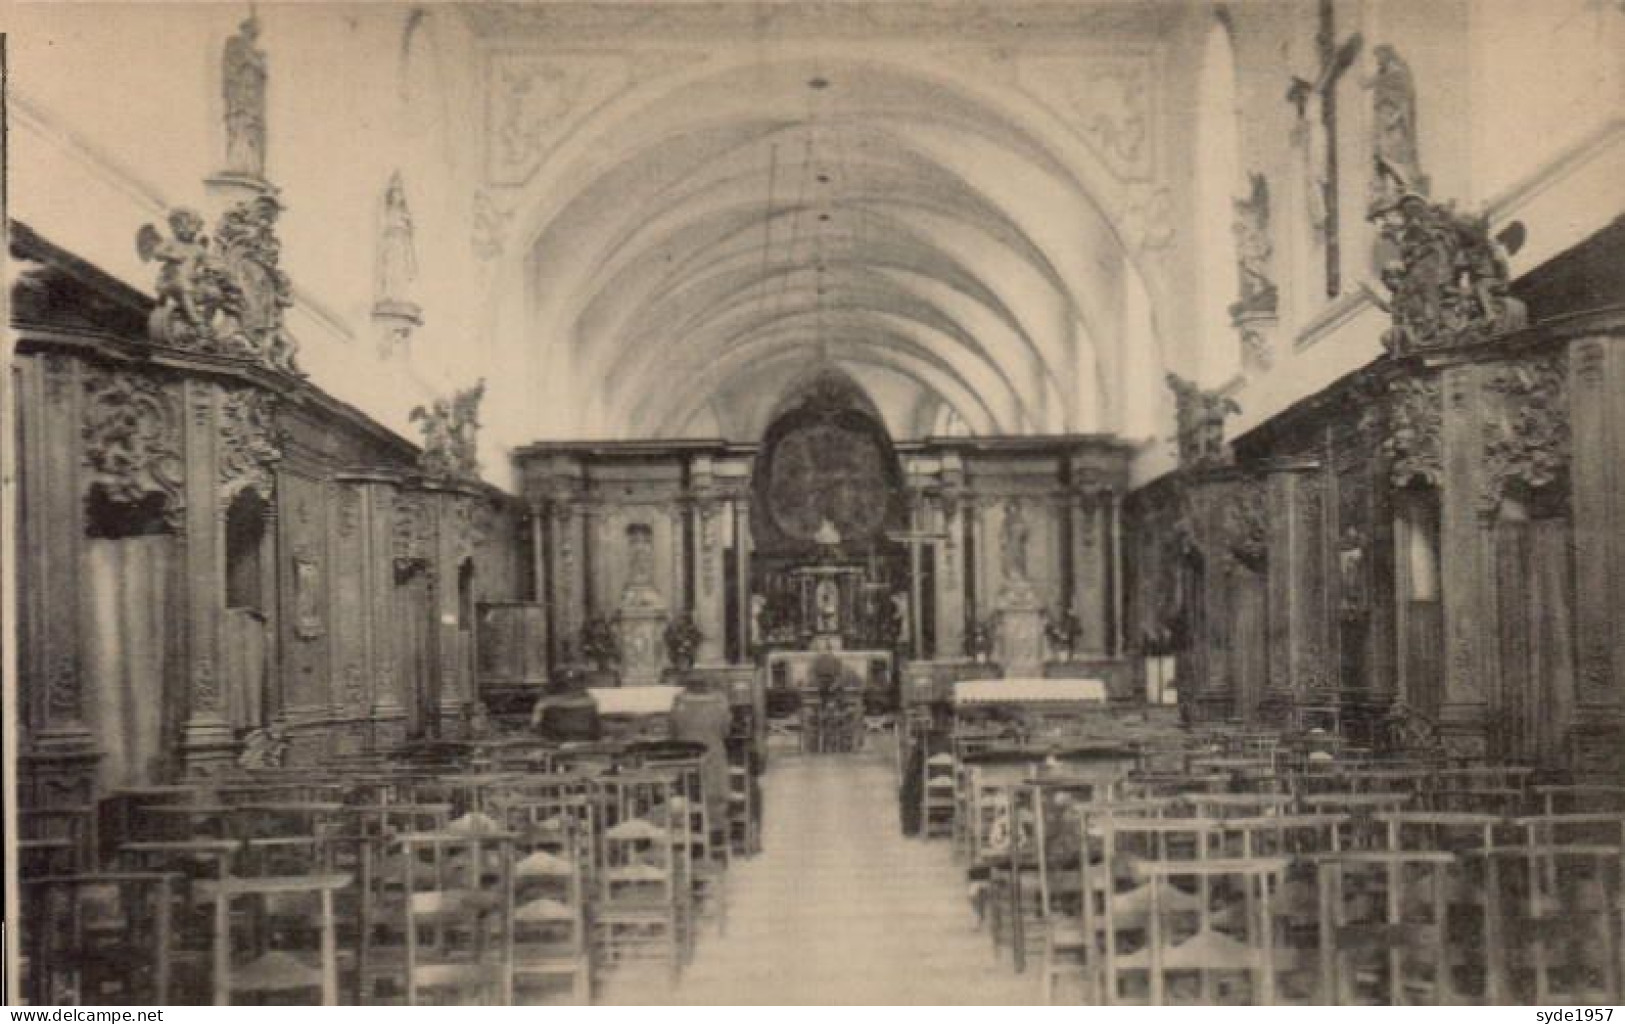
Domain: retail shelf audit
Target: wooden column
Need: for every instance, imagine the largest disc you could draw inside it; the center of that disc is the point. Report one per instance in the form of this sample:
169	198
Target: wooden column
709	609
742	555
206	742
367	631
350	696
1296	620
568	592
951	572
1472	658
51	682
1597	409
1093	553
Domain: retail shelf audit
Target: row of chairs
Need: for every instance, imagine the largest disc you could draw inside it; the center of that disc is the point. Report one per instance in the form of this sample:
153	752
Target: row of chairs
1255	898
373	882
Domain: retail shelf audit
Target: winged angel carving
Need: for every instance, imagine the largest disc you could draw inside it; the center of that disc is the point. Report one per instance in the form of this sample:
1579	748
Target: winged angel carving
223	295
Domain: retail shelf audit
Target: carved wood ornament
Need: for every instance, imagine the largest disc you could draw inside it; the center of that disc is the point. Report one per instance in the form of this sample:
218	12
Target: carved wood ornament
222	295
1448	282
1415	419
1200	417
1528	442
132	429
250	442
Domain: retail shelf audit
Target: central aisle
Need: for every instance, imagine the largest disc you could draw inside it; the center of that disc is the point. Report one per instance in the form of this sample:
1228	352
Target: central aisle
840	907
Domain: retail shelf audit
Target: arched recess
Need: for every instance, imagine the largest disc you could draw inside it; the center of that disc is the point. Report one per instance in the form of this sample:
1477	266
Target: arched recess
973	228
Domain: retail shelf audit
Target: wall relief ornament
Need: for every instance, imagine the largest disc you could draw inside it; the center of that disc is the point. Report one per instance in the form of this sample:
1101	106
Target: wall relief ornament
132	429
492	211
307	596
1527	440
1106	99
450	429
533	101
1254	249
1200	416
1448	281
461	522
410	539
1415	422
225	294
62	686
1148	219
355	686
250	442
1246	522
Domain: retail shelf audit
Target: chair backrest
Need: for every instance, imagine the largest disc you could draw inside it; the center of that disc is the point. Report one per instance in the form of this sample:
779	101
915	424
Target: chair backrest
97	938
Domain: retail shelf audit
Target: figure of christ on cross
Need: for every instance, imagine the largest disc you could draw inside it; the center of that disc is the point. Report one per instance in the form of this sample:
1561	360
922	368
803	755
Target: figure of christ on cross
1317	114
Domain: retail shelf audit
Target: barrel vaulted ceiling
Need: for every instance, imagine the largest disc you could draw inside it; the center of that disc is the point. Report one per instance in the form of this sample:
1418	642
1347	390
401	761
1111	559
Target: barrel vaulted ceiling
691	208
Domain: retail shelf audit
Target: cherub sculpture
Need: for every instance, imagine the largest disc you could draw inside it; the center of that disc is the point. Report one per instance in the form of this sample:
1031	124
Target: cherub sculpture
190	286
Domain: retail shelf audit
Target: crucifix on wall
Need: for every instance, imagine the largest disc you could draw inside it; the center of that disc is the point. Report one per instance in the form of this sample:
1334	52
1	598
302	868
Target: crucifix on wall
1316	101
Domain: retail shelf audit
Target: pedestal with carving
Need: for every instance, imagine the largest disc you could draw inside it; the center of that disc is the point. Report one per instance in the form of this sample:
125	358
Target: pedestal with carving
641	627
1020	640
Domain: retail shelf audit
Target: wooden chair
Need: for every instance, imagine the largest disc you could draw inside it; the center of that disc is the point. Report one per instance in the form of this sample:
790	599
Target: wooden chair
56	841
201	951
550	912
279	957
1384	927
1141	910
938	802
1214	954
1295	906
442	926
637	916
1060	925
97	939
1561	923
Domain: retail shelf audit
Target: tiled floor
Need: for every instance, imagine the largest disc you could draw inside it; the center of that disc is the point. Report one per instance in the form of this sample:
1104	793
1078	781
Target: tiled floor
840	907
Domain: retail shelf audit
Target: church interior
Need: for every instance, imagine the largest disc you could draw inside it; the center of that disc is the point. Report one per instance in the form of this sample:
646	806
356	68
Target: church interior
927	501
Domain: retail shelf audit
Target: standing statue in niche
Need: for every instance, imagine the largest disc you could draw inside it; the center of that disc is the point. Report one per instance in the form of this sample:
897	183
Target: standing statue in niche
1015	537
1351	573
640	556
397	254
243	77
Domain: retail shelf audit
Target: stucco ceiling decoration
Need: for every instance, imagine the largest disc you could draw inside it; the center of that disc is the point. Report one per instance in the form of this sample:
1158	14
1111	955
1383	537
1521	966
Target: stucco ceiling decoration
1108	99
1010	19
533	100
688	240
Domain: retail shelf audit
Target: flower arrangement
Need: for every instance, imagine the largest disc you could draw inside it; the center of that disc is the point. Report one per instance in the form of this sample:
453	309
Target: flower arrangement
599	644
1062	631
683	641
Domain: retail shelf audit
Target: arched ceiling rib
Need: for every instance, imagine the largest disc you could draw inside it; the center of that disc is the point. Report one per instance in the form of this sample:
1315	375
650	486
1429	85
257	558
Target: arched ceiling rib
826	210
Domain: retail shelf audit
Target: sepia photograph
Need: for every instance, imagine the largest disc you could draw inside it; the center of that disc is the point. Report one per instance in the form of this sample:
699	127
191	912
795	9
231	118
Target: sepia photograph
729	503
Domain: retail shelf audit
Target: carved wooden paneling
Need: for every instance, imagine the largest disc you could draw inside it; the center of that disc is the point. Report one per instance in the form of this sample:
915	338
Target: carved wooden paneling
303	524
1599	553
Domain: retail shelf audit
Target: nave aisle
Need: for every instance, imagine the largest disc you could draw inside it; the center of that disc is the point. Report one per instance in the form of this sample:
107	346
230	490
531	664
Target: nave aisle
840	907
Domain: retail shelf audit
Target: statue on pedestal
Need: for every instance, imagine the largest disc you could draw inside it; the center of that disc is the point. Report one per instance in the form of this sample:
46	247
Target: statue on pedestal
1393	146
641	621
1015	537
394	307
243	77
